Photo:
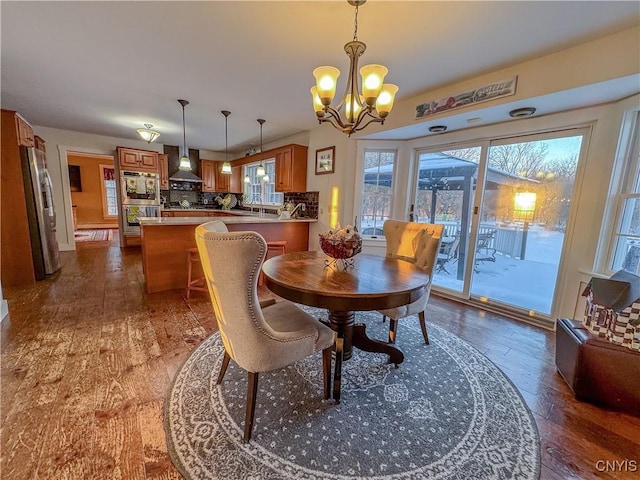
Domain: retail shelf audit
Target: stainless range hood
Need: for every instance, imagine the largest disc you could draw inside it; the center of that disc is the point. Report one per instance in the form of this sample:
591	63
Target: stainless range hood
185	176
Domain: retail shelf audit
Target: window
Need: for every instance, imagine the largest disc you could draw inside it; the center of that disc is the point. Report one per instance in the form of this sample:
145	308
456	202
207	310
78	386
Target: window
626	235
261	190
109	197
377	191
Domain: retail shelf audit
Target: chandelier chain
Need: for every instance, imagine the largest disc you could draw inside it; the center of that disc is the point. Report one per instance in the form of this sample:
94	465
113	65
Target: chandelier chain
355	25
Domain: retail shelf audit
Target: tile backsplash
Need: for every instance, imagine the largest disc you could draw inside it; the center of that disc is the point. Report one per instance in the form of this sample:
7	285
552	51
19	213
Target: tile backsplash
174	197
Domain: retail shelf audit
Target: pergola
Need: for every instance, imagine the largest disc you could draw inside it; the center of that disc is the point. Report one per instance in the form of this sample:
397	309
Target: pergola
439	171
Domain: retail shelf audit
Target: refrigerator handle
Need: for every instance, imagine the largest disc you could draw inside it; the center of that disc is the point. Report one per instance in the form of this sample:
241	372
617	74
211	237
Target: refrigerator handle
49	195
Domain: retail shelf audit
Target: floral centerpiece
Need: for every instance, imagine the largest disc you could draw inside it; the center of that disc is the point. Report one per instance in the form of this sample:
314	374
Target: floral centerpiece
341	243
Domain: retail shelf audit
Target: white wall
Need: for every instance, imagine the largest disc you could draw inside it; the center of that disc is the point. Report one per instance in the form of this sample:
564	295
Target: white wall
608	58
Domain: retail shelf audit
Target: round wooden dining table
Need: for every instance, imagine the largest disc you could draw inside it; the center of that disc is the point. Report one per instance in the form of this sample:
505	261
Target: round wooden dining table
372	282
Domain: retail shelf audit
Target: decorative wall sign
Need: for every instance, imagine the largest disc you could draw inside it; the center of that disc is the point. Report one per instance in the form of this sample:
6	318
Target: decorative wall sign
491	91
325	160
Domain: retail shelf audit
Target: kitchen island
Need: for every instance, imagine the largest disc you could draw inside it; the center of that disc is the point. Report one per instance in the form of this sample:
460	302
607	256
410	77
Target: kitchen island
165	241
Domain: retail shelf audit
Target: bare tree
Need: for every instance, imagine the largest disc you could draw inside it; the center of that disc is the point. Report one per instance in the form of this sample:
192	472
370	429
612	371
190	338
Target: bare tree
522	159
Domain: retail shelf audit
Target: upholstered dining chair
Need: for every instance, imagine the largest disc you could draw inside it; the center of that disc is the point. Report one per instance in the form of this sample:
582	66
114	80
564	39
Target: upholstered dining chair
418	243
259	339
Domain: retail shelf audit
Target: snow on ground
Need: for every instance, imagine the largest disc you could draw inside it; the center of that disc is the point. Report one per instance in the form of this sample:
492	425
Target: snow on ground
527	284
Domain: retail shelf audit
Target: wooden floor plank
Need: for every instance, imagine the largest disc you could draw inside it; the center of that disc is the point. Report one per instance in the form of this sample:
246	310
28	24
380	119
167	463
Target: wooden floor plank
87	359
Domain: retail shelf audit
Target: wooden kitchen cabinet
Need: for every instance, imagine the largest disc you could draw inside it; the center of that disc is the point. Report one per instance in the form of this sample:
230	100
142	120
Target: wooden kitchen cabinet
223	180
213	180
137	160
291	168
25	132
208	172
163	163
17	266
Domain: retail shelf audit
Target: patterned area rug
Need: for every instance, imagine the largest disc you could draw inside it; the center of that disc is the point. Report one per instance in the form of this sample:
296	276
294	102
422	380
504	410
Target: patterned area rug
446	413
93	235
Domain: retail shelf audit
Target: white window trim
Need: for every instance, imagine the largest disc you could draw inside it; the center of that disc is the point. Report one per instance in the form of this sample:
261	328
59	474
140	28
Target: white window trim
271	181
103	190
626	162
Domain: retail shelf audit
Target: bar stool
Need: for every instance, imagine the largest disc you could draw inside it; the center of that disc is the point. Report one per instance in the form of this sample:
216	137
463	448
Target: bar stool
279	246
193	257
197	284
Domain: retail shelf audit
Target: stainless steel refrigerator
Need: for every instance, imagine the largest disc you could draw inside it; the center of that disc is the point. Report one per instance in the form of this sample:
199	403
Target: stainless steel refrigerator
40	212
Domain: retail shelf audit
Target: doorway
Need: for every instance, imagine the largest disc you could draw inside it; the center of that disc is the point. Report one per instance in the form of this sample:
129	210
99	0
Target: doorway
505	205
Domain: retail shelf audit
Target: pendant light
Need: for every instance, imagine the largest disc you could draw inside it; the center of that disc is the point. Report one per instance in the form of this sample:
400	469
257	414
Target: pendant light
147	134
226	166
185	162
260	172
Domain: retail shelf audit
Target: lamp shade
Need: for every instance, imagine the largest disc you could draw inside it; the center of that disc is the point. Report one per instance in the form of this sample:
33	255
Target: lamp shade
260	172
372	80
384	104
326	81
317	103
147	134
185	163
226	168
352	108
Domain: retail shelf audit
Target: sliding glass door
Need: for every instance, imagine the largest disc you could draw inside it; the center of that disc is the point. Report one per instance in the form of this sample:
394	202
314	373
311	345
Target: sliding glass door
522	222
505	207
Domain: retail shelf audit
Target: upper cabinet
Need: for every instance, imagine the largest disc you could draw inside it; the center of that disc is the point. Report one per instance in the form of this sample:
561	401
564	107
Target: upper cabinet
163	163
25	132
223	180
208	171
213	180
137	160
291	168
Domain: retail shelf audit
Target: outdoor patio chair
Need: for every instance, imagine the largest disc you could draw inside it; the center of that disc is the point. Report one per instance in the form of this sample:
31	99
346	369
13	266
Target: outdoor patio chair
448	253
485	252
418	243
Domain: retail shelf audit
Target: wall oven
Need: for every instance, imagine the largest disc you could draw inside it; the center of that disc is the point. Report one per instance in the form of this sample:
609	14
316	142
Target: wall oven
131	224
140	192
140	188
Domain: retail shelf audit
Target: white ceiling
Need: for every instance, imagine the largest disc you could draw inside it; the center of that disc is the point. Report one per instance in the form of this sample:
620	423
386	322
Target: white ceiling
109	67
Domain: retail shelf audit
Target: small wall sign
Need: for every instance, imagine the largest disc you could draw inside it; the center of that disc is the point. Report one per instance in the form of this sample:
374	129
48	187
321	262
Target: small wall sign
325	160
491	91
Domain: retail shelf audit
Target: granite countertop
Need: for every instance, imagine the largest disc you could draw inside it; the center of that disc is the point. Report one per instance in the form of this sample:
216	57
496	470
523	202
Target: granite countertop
268	218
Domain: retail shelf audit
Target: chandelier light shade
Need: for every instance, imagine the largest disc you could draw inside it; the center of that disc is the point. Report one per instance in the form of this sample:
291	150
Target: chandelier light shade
260	171
147	134
226	166
356	109
185	162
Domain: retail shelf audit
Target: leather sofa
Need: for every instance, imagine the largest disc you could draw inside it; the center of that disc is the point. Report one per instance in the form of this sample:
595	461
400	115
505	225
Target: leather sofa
597	370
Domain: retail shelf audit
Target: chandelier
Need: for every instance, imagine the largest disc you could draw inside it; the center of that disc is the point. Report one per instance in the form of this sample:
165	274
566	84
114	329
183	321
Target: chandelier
147	134
360	109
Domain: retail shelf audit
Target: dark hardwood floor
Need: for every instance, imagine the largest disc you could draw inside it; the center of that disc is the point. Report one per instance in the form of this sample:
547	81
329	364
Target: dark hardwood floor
87	359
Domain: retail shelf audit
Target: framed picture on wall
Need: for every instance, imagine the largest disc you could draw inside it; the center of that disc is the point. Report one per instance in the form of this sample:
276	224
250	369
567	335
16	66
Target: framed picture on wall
325	160
75	182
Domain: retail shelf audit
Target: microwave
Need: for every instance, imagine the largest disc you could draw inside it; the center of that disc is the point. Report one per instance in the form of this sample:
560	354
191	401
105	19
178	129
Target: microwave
140	188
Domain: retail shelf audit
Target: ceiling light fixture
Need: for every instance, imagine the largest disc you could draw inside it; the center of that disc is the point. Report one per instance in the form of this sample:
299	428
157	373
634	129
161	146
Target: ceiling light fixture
260	172
147	134
226	166
438	129
522	112
373	104
185	162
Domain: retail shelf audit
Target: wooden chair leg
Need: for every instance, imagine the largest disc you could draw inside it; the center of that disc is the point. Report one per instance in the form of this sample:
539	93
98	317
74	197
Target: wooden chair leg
423	326
326	371
252	391
393	330
223	367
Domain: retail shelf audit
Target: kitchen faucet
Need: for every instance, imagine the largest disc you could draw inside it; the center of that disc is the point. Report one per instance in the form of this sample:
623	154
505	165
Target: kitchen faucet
304	208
